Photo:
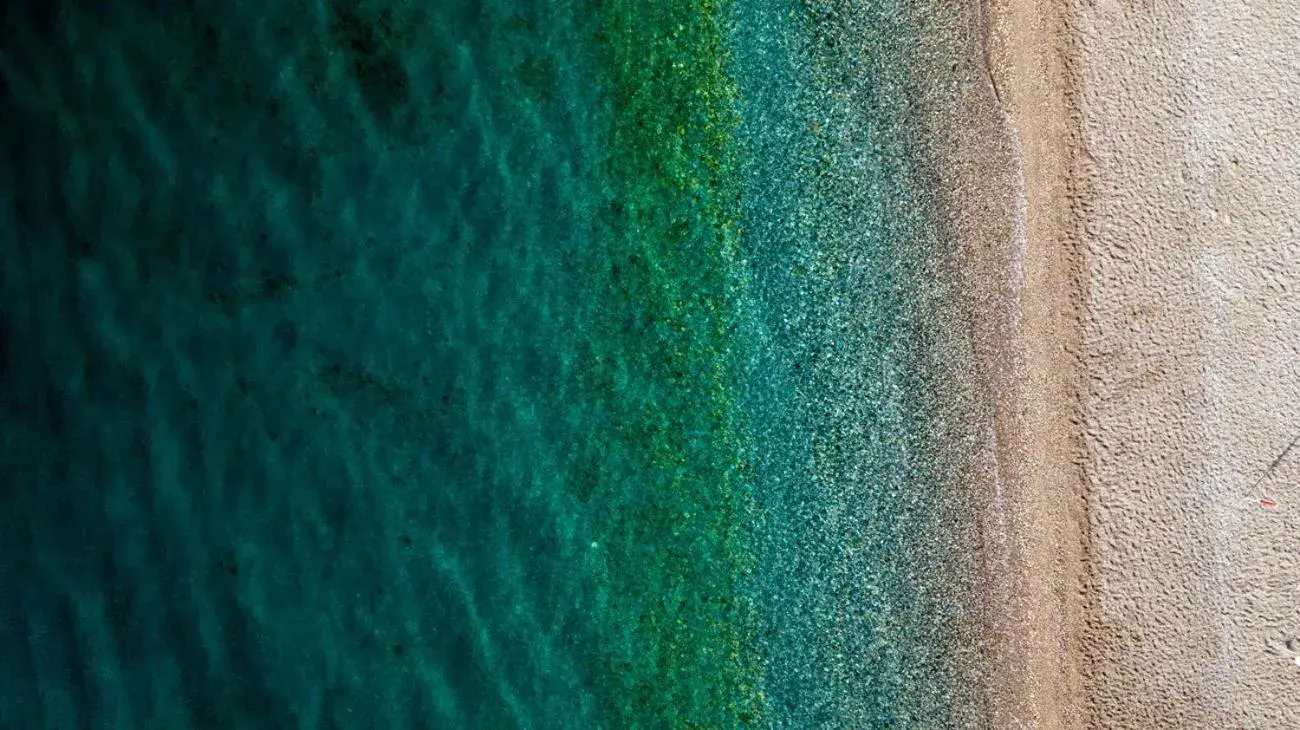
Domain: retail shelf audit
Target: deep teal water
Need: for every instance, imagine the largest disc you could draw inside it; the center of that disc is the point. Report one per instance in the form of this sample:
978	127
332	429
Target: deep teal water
492	364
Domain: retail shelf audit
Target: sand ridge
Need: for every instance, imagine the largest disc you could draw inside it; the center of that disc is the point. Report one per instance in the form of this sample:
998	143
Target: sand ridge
1039	675
1001	164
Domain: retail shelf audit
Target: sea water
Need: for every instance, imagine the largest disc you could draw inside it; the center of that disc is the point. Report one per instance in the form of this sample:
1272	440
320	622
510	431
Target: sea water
475	364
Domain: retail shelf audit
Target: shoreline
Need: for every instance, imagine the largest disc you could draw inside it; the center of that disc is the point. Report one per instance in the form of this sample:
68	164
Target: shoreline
1140	479
1039	667
999	147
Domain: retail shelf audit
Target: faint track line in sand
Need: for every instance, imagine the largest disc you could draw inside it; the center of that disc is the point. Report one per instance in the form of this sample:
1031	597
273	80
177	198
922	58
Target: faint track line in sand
1020	214
1268	472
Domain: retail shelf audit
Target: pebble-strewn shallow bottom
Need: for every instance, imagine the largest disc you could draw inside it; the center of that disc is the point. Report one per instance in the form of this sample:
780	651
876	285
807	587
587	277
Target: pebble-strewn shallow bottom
476	365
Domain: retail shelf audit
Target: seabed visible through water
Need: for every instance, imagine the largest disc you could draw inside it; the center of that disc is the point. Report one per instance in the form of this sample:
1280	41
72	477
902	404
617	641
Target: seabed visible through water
478	364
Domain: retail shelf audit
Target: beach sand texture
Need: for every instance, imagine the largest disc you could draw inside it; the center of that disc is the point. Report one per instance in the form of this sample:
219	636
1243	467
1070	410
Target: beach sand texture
1192	354
1037	656
1177	573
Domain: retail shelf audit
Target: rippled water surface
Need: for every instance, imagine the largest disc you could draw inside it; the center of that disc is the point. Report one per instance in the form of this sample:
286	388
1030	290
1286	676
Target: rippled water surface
475	364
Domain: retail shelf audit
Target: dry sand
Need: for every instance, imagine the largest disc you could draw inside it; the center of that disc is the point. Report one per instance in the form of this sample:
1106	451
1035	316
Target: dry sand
1191	354
1145	559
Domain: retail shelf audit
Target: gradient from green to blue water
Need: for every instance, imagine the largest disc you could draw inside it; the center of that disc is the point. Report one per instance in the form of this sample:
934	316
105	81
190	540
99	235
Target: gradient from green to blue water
492	364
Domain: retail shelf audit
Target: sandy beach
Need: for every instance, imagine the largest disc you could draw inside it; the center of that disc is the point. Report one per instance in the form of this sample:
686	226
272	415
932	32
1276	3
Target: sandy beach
1189	153
1136	312
1035	608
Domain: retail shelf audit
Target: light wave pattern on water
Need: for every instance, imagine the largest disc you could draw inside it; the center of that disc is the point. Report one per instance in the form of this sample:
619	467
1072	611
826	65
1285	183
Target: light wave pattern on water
477	365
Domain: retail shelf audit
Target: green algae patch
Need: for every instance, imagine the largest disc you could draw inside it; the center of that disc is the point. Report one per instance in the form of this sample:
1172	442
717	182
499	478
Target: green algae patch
664	474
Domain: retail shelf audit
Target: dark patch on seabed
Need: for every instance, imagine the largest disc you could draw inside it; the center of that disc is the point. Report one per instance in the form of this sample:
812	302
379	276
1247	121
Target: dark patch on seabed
474	364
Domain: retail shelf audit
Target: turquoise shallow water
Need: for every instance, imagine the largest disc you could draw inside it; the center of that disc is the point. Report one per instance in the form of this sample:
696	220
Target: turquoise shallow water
492	364
862	380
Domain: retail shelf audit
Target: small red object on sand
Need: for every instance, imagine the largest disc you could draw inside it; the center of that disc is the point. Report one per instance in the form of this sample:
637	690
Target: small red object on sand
1267	503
